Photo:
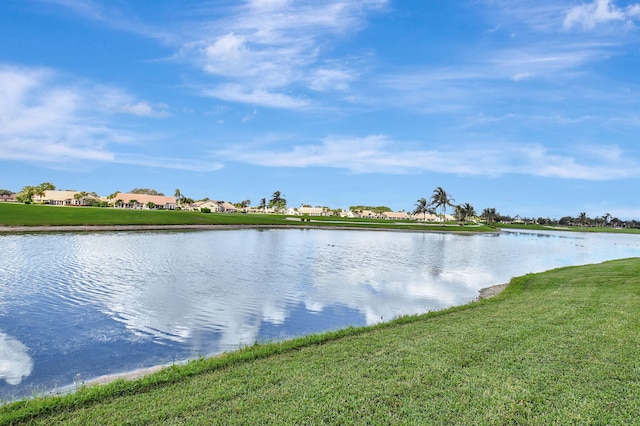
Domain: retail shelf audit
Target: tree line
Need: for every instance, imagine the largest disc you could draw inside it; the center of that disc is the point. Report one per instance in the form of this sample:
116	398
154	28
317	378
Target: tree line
437	204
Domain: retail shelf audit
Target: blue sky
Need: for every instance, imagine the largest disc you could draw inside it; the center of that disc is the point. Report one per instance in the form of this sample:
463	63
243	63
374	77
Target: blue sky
531	107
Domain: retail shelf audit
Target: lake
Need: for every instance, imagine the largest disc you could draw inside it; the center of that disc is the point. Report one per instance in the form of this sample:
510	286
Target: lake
75	306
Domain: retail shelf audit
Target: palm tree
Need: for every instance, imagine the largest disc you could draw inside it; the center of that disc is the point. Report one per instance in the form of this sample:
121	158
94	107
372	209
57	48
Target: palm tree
179	197
606	218
489	214
463	211
263	204
440	199
422	206
278	201
582	218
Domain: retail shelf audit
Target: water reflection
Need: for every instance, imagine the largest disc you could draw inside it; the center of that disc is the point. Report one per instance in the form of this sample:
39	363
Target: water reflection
94	304
15	362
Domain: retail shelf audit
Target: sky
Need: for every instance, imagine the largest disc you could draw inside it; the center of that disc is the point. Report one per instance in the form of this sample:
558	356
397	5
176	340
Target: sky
529	107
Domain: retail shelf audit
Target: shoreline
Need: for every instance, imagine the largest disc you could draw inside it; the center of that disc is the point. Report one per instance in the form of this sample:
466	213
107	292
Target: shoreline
4	229
484	293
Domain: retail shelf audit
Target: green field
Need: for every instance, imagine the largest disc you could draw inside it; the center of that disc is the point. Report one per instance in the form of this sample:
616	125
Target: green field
561	347
13	214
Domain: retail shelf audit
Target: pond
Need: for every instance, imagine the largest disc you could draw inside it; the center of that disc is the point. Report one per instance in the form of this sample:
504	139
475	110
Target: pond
76	306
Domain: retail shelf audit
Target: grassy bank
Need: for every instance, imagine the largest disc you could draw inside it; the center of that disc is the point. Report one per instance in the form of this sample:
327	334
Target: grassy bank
593	229
562	347
13	214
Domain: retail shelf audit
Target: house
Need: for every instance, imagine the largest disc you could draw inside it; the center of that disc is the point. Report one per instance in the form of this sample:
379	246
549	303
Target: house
428	217
63	198
227	207
395	215
347	213
8	198
144	201
214	206
366	214
312	211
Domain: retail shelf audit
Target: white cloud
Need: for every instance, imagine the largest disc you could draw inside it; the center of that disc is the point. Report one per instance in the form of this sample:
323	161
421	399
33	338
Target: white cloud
379	154
44	119
589	15
145	109
270	51
254	96
324	79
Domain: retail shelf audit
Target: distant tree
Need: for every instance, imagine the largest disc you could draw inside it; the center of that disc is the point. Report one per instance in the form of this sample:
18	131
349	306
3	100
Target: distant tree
26	194
440	199
421	207
278	201
5	192
151	205
47	186
263	204
606	218
146	191
489	215
179	197
375	209
464	211
565	221
78	196
582	218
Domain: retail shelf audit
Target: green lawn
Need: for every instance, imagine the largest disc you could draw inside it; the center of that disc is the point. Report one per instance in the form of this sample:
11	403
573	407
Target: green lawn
561	347
14	214
537	227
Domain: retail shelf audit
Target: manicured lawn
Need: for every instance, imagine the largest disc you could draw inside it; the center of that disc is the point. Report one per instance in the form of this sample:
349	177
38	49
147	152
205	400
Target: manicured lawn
561	347
536	227
13	214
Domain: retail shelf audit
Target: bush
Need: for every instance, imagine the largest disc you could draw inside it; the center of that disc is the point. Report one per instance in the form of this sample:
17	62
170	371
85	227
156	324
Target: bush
205	210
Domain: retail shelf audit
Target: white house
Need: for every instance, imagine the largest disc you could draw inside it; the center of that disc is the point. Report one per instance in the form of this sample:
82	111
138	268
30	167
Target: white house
144	201
227	207
62	198
214	206
312	211
395	215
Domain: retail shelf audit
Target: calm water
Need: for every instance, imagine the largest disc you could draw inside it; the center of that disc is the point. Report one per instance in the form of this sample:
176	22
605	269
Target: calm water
78	306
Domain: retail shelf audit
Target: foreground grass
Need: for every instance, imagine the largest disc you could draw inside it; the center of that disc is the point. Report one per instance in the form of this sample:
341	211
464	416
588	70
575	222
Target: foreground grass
562	347
14	214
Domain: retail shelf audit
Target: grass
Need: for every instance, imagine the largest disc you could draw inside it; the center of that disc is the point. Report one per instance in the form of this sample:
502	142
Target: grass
596	229
13	214
561	347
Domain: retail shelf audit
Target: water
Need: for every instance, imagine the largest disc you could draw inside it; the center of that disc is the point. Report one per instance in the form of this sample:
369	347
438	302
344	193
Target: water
77	306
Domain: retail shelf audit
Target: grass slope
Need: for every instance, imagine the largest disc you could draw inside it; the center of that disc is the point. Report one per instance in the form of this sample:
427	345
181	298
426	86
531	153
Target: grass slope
561	347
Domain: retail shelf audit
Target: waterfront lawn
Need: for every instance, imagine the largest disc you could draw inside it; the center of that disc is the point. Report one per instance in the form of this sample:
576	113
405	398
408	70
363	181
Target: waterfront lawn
14	214
536	227
561	347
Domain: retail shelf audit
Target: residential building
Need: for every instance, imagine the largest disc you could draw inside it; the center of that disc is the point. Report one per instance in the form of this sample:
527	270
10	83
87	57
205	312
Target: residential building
395	215
144	201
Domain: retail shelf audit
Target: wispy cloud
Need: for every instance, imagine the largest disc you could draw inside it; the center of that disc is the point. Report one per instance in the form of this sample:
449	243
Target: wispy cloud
44	119
273	53
112	17
589	15
380	154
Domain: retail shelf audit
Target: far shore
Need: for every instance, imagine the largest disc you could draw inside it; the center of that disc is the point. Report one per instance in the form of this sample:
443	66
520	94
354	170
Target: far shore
200	227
